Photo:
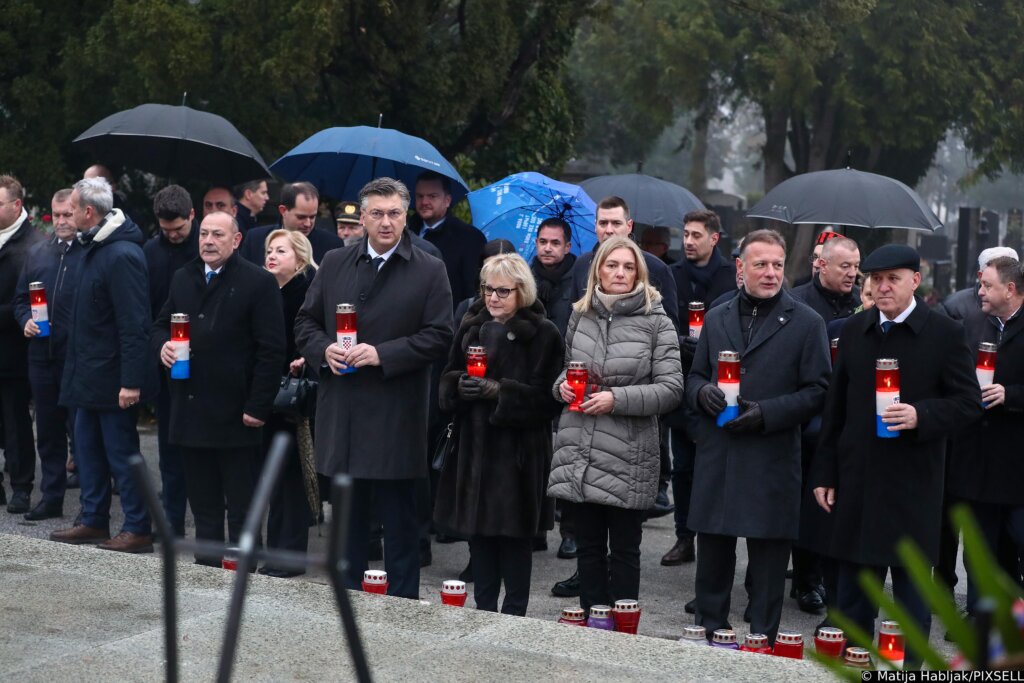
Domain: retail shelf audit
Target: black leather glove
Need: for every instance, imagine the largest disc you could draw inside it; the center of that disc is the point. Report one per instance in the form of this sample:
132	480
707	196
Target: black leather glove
687	350
478	388
750	420
711	399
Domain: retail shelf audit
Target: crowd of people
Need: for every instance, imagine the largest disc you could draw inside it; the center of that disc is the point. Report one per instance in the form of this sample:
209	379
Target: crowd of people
788	450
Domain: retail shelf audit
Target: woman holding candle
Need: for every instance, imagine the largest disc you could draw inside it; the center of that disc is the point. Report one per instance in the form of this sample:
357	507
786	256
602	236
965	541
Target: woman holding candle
607	455
491	488
289	258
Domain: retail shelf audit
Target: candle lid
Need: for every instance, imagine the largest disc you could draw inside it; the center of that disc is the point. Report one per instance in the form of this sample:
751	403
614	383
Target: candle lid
694	633
857	655
179	317
756	640
890	627
600	611
834	343
789	638
724	635
36	285
728	357
576	365
887	364
475	349
627	606
830	633
375	576
346	308
984	347
572	613
696	305
453	586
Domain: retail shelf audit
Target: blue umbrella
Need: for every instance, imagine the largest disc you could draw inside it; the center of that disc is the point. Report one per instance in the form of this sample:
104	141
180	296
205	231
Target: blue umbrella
339	161
514	208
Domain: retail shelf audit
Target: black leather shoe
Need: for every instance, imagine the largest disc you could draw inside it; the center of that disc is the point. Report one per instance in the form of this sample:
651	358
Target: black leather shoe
375	553
691	607
570	588
3	496
279	573
46	509
567	548
73	482
810	601
445	538
681	552
20	503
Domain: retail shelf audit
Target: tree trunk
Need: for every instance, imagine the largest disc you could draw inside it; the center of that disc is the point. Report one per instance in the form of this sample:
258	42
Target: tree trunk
698	180
775	129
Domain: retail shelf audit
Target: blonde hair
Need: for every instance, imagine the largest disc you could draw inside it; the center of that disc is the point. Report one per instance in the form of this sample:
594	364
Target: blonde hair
512	267
651	295
300	245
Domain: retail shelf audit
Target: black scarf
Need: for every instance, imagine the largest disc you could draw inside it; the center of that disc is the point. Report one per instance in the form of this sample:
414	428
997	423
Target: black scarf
754	311
700	276
548	279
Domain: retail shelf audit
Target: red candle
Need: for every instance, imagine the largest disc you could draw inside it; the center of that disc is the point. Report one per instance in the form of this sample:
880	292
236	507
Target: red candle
577	376
37	304
833	347
453	593
789	644
986	367
180	344
729	382
857	658
375	581
573	616
345	324
696	318
626	614
890	641
229	560
756	642
476	361
887	393
830	641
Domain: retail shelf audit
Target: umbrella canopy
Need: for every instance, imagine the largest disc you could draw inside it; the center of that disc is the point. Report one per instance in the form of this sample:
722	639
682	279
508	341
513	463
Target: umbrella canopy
175	142
339	161
652	201
514	208
846	197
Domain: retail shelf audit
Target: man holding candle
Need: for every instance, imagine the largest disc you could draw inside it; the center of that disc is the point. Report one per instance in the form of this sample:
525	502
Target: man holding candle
404	311
880	490
986	469
747	472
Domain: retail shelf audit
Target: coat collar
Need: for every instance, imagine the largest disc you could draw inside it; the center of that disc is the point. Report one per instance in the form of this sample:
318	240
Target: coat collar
523	325
915	321
781	314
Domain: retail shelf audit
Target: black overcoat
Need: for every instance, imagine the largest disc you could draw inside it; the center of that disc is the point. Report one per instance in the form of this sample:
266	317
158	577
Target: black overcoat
722	280
461	246
13	345
887	489
496	483
372	423
828	304
749	484
986	463
237	347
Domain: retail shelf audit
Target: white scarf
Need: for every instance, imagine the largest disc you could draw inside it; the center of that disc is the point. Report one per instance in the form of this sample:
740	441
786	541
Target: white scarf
7	233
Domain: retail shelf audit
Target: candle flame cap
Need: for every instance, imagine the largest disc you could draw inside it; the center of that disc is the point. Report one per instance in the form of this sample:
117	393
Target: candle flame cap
728	357
627	606
375	576
789	638
890	627
573	613
179	317
834	343
857	655
600	611
346	308
986	347
577	365
830	633
696	305
694	633
36	285
475	349
887	364
756	640
453	586
724	635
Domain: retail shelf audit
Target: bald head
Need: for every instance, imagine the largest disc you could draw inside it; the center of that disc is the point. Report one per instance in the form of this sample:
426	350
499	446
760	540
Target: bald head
218	238
100	171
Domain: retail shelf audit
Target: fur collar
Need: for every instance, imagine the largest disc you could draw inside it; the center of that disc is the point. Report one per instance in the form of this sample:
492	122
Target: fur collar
523	324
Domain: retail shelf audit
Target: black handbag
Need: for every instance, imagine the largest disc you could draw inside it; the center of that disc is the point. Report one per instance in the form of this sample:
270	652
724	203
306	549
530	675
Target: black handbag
446	443
296	397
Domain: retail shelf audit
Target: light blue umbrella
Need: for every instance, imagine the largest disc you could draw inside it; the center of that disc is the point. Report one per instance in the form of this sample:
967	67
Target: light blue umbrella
339	161
514	208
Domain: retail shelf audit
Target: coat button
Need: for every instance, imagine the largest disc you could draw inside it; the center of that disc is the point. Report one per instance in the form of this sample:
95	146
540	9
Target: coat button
362	297
190	397
201	316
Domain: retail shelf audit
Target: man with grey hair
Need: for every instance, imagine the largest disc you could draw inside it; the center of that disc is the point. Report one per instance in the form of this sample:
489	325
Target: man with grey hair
963	302
381	376
108	369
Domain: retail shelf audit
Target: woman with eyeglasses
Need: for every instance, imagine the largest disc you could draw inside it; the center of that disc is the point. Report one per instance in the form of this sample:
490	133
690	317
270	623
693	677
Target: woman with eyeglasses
492	487
607	455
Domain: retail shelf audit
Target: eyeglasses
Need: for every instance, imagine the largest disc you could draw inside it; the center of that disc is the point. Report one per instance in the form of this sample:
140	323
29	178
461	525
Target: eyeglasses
502	292
378	215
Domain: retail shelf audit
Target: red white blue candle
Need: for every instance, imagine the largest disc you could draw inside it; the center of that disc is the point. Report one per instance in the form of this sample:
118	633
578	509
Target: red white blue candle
729	383
180	344
696	318
345	323
40	312
887	393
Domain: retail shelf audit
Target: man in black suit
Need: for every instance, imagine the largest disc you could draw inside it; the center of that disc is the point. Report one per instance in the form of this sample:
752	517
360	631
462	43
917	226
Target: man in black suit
236	350
299	205
461	244
251	197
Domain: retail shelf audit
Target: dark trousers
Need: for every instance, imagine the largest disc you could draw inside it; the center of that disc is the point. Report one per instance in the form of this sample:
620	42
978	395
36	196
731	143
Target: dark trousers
290	516
104	440
807	570
683	453
856	606
665	473
19	447
53	426
393	502
1003	529
498	559
608	544
219	481
949	544
173	495
767	560
567	519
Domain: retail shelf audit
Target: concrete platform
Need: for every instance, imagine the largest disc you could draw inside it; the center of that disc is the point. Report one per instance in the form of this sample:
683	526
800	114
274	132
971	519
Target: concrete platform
78	613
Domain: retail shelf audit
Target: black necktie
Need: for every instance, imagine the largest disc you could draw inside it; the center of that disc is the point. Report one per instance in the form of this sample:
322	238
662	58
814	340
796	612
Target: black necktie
886	326
66	246
377	263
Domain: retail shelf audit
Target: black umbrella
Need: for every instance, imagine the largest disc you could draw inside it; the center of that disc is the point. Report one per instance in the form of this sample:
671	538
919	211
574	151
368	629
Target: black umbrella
175	142
651	201
846	197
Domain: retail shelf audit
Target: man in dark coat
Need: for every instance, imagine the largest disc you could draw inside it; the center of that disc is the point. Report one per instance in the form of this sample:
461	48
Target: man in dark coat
703	276
986	469
552	269
108	368
880	490
236	351
251	197
832	291
299	205
55	263
746	479
176	244
399	336
964	302
17	237
461	244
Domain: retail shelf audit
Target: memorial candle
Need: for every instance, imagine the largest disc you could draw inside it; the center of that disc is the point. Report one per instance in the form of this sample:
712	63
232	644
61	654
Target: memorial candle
729	383
830	641
180	343
890	641
476	361
789	644
40	312
887	393
577	376
345	324
986	367
696	318
833	348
